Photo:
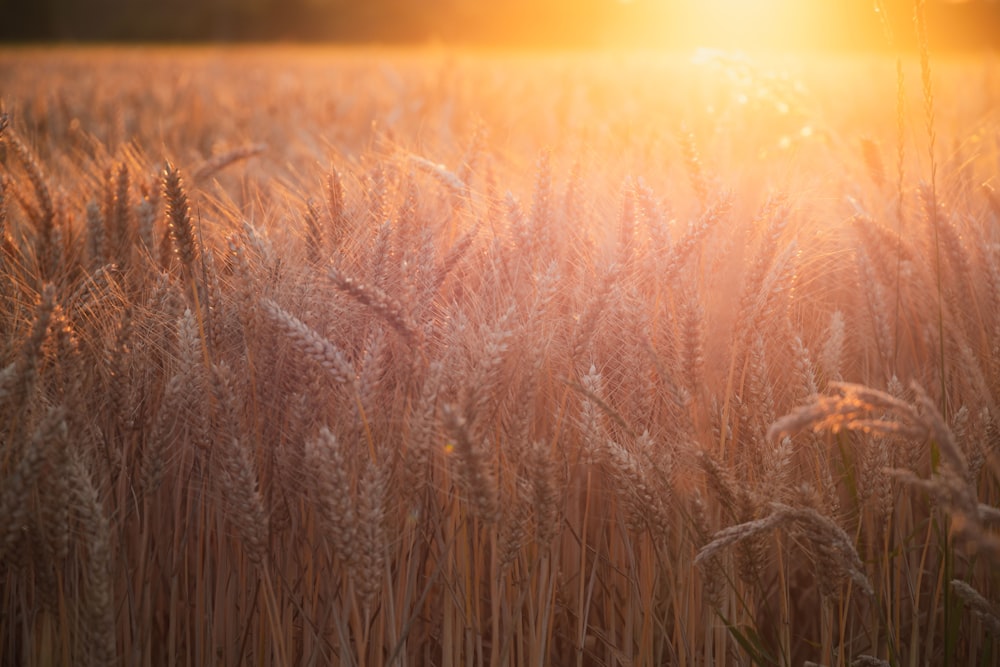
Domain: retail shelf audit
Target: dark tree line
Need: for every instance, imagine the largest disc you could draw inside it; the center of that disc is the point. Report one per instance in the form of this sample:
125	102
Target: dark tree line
511	22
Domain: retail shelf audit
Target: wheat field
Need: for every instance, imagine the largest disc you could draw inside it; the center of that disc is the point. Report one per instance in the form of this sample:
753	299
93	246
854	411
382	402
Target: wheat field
439	357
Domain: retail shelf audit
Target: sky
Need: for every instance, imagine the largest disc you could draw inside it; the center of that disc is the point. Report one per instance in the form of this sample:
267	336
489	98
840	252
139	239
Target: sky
737	24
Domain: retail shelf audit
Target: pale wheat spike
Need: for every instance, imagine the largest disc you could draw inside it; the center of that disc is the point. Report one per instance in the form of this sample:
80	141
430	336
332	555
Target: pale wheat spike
879	241
488	373
381	255
589	320
422	423
804	368
773	217
474	475
988	613
517	224
335	202
457	187
512	533
180	406
685	246
407	218
372	539
214	304
118	357
778	465
832	544
876	399
95	236
494	202
518	423
375	193
692	333
108	205
387	308
760	388
544	493
47	214
655	215
627	224
310	343
121	236
869	661
644	505
849	410
452	259
988	514
832	354
541	202
56	503
733	534
938	429
751	553
720	481
145	225
99	638
714	577
17	380
314	235
152	456
240	482
836	556
591	424
217	163
18	484
329	484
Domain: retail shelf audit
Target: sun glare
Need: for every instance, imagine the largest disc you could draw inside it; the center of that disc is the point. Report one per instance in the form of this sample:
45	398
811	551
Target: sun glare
758	24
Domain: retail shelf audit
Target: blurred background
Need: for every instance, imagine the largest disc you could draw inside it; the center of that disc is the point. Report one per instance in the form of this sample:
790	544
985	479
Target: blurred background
682	24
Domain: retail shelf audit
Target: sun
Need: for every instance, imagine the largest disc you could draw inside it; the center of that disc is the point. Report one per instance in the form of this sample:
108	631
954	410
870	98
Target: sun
758	24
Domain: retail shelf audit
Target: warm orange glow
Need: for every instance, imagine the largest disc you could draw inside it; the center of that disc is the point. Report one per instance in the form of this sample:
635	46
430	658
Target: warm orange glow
750	25
760	24
801	25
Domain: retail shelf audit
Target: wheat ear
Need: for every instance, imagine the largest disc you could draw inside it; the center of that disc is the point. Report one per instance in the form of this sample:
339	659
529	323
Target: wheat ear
387	308
311	344
217	163
181	227
473	467
987	612
330	485
98	610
